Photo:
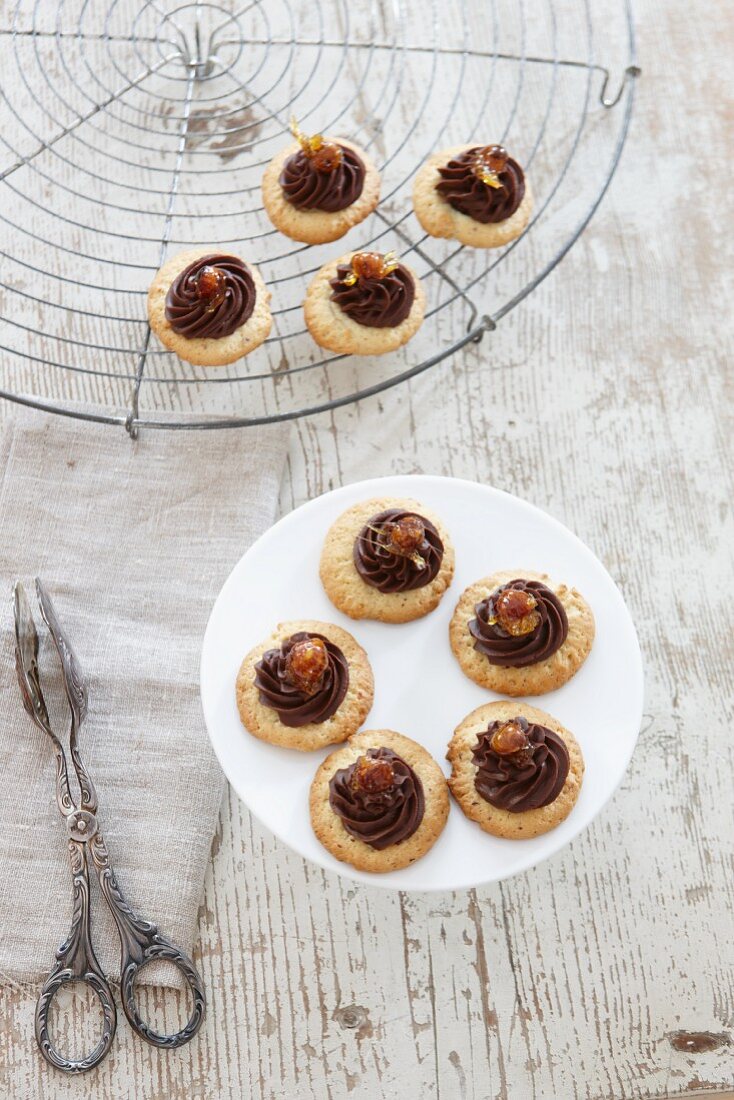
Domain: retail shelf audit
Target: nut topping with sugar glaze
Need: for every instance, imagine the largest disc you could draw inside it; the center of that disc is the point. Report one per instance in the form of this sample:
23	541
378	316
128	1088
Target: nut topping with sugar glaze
211	287
371	265
326	156
306	665
509	738
515	611
488	163
373	775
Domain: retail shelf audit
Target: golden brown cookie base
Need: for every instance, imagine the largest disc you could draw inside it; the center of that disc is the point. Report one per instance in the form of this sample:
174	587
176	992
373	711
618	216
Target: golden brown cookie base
317	226
441	220
328	826
333	330
499	822
263	722
535	679
207	352
346	589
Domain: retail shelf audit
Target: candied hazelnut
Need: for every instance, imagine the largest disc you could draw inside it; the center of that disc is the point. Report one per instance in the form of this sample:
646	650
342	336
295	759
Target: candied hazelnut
367	265
509	738
372	776
325	155
211	286
306	664
514	611
495	157
328	157
489	162
371	265
405	536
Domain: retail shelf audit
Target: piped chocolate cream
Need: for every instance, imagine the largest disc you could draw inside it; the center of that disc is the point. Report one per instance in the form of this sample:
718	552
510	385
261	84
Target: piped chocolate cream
304	681
398	551
379	798
520	765
484	183
211	298
374	290
519	624
314	182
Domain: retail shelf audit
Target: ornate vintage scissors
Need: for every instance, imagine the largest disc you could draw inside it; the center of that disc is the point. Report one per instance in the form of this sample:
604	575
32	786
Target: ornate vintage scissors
140	940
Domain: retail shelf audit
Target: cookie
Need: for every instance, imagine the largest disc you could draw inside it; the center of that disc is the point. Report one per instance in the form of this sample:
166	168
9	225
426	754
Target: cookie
396	590
276	701
440	219
494	817
335	329
314	226
214	336
384	786
531	663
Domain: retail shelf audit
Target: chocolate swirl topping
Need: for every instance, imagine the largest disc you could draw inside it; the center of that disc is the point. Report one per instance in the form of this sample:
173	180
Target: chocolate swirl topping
379	817
524	780
295	707
381	568
376	303
307	188
192	316
468	194
501	648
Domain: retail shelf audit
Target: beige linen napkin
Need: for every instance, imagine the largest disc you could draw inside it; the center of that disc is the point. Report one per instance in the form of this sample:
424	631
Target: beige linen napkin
133	541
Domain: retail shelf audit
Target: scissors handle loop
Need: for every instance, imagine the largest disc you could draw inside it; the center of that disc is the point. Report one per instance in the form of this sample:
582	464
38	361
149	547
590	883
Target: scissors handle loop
143	943
76	963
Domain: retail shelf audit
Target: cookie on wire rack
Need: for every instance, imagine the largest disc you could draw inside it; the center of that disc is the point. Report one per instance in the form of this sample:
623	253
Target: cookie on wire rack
389	559
308	685
476	194
364	303
317	188
379	802
516	770
211	308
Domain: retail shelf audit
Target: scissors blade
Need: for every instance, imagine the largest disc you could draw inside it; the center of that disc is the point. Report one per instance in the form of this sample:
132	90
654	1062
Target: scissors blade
26	659
76	693
73	681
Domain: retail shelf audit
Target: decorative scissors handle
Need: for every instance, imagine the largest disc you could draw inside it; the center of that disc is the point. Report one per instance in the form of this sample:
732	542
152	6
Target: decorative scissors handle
142	942
76	962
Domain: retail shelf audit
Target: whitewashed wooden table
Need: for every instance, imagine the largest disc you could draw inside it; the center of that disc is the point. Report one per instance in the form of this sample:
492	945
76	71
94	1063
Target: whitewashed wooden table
607	972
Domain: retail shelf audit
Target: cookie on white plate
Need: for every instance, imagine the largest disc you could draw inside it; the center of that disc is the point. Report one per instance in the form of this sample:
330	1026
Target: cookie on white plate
389	559
516	770
308	685
379	802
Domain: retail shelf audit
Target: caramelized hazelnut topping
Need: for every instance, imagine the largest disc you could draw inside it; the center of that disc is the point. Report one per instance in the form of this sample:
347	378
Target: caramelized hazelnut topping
211	286
509	738
488	164
371	265
306	664
514	611
327	156
373	776
405	536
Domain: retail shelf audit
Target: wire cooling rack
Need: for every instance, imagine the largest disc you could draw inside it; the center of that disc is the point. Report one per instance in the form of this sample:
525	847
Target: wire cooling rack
130	131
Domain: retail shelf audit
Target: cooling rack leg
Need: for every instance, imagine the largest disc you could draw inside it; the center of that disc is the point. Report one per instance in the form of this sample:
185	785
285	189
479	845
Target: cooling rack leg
487	324
630	73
